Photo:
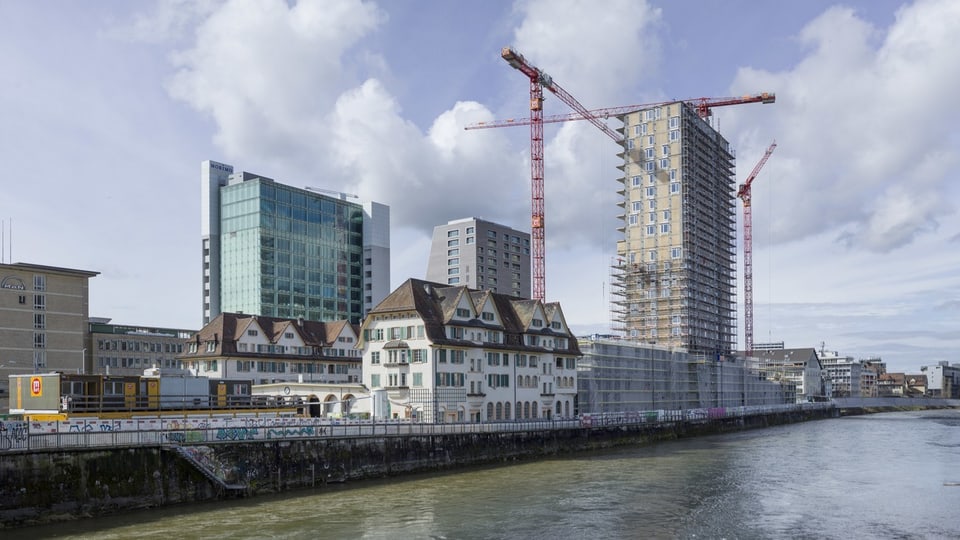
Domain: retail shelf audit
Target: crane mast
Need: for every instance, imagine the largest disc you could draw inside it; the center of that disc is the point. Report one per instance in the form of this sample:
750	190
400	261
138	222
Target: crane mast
744	194
538	81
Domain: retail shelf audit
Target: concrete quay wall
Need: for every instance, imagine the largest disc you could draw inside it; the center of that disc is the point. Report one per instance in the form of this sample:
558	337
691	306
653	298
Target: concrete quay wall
50	485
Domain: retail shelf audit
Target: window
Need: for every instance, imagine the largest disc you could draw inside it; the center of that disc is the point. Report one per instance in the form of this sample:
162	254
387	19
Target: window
492	234
453	281
252	332
375	357
375	381
470	230
651	191
487	316
453	271
636	130
469	240
674	135
635	180
632	219
666	215
665	163
652	204
674	122
453	252
630	144
288	335
39	340
418	379
537	323
652	255
673	175
649	153
664	228
674	187
39	301
651	229
637	206
453	261
652	217
39	321
461	312
676	252
453	243
39	282
453	233
650	166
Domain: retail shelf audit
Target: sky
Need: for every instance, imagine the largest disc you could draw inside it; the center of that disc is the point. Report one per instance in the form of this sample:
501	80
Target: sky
107	109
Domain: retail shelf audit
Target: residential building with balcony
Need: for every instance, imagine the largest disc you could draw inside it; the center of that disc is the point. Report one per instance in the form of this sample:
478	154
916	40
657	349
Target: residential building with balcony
674	279
453	354
268	350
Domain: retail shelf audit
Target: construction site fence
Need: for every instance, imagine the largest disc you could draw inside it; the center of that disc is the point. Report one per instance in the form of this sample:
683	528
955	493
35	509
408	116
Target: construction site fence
24	436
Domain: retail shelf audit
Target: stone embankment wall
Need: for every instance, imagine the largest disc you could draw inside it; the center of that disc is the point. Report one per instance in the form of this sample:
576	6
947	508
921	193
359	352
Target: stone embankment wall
48	485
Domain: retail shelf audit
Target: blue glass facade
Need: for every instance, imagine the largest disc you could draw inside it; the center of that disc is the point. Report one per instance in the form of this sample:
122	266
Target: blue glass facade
288	252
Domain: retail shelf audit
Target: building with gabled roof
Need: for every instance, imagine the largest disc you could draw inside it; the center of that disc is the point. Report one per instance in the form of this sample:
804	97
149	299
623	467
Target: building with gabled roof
454	354
801	367
271	350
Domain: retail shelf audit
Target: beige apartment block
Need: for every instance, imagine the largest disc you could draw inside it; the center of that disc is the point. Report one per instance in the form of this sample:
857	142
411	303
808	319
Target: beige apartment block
674	277
44	312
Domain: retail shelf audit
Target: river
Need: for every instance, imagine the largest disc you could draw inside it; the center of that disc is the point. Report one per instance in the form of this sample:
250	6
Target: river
891	475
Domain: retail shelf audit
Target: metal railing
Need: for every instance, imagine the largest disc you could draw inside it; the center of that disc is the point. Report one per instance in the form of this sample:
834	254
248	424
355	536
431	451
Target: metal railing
19	436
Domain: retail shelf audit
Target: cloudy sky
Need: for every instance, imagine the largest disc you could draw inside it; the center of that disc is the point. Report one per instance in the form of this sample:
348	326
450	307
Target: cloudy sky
107	109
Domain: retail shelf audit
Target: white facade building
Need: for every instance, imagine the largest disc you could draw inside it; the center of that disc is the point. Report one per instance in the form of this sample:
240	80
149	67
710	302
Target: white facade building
453	354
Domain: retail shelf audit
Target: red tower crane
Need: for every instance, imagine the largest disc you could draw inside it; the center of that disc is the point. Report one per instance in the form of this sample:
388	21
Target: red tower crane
744	194
540	80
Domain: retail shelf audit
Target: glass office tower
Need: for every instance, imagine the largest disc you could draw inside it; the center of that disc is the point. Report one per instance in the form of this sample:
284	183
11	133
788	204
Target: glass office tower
282	251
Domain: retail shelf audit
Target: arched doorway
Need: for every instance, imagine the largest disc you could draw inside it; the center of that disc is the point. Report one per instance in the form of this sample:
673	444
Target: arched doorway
315	407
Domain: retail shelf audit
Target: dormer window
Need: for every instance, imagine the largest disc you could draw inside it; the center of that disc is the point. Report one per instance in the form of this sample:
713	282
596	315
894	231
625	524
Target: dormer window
252	333
461	312
536	323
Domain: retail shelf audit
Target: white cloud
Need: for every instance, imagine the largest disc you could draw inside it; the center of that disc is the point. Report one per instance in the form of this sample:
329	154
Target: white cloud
170	20
268	73
599	55
863	128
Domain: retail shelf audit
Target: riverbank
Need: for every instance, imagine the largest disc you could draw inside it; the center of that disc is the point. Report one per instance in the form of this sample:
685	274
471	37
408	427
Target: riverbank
55	485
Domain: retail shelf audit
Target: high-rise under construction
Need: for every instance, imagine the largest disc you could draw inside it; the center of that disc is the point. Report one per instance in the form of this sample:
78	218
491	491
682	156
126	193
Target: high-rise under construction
674	278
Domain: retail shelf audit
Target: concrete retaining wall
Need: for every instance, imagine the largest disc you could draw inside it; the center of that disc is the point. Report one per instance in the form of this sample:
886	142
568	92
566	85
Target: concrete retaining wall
42	486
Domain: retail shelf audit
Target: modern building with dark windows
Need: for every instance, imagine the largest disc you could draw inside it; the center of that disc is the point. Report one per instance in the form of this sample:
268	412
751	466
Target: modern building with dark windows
480	254
280	251
114	349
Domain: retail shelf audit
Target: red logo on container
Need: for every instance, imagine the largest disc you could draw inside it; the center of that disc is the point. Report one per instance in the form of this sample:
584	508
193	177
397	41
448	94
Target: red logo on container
36	386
